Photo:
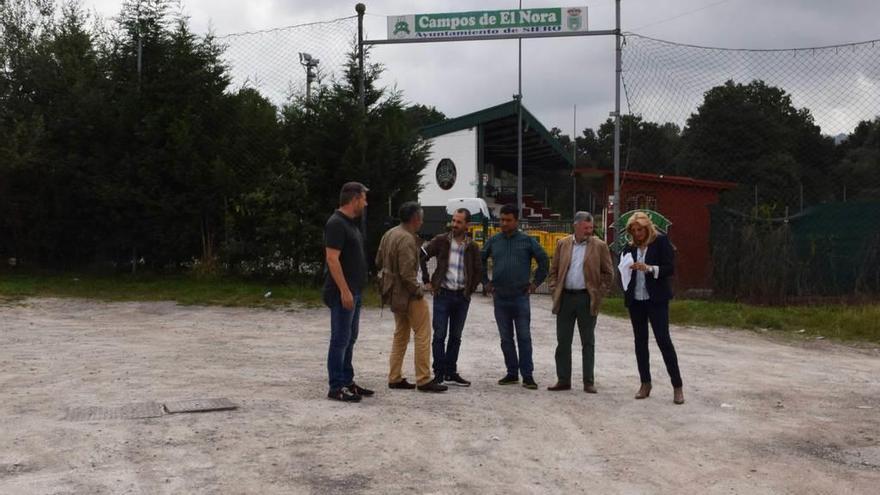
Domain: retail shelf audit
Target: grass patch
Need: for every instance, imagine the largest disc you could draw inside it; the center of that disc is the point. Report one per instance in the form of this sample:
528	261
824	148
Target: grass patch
840	322
856	323
182	289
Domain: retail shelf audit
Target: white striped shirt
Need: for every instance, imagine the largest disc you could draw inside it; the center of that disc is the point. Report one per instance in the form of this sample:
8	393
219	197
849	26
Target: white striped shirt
455	273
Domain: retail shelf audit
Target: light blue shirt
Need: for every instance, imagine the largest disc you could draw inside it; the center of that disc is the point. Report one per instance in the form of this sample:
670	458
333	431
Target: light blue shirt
574	278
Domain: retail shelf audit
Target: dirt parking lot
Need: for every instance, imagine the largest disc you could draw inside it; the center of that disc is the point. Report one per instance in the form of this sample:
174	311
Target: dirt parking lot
762	415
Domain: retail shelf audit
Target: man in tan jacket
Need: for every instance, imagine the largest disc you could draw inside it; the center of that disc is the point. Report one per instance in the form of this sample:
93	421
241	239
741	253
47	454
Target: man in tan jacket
398	264
581	274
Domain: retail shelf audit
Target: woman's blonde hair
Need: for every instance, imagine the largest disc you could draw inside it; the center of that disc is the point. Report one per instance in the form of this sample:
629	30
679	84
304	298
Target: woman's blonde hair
641	219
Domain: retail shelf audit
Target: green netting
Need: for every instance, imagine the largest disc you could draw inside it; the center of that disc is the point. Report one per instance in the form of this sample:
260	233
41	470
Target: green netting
838	240
827	250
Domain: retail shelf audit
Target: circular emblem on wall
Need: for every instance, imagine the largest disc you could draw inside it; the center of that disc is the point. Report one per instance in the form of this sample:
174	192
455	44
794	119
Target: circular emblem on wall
446	174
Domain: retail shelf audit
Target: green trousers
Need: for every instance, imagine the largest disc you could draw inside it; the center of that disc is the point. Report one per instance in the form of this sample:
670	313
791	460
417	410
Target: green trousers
575	308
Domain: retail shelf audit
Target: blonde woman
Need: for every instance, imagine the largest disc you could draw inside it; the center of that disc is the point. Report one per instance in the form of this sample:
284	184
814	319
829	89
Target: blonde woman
647	298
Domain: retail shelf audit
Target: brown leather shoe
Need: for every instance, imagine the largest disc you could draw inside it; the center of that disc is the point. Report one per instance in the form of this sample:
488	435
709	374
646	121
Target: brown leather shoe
678	395
590	388
559	386
644	391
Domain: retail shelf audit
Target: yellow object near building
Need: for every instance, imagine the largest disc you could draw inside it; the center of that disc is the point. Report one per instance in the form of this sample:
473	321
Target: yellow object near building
547	240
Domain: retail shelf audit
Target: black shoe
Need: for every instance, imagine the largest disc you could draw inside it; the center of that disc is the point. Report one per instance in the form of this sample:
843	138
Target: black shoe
559	386
358	390
438	379
508	380
530	384
432	386
456	379
402	384
343	395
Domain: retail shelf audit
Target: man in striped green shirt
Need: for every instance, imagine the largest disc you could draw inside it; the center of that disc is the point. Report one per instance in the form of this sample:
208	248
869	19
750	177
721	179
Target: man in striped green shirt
512	252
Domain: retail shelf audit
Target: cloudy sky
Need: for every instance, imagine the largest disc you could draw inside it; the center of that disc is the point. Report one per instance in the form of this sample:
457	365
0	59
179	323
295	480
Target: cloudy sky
462	77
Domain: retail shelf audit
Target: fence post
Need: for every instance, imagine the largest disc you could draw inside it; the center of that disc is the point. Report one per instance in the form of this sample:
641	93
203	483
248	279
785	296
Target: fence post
361	9
618	69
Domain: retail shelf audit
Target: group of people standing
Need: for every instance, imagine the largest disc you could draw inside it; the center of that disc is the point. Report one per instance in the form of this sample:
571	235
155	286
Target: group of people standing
579	276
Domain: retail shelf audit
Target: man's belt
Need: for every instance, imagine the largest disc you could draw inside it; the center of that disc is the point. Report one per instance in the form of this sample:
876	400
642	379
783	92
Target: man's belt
450	291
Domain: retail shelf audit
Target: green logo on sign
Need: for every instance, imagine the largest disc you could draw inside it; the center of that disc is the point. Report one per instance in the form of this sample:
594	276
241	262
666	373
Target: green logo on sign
622	236
401	27
574	19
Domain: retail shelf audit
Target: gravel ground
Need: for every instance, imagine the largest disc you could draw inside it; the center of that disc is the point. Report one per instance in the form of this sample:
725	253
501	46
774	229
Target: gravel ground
763	415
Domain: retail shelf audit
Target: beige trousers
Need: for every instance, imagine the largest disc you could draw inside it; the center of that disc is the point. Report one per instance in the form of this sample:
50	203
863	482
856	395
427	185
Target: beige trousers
418	320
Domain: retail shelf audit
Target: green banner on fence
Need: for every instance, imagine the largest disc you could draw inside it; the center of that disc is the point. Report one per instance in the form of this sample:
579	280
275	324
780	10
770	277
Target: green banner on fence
487	23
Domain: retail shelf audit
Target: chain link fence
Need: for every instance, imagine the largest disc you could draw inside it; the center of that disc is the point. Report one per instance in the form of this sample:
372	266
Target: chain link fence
282	63
766	163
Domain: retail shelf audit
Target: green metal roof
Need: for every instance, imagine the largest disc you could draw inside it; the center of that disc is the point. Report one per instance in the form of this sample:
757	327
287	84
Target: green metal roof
497	113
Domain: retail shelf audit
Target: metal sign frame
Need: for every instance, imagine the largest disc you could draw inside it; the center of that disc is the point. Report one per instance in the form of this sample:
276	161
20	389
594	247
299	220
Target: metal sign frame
616	32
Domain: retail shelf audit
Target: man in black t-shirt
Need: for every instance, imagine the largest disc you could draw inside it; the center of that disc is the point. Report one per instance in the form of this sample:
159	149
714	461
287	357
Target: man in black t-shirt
346	276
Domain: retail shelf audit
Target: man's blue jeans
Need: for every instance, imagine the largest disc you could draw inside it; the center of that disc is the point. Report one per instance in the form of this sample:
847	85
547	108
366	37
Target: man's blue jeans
343	335
510	312
450	313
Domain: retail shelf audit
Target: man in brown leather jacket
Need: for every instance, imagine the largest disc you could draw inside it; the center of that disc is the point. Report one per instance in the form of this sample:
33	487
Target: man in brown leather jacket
458	273
581	274
398	264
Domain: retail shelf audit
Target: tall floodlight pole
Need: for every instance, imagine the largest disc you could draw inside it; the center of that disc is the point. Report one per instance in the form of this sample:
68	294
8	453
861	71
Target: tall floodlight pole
619	67
309	63
519	131
140	59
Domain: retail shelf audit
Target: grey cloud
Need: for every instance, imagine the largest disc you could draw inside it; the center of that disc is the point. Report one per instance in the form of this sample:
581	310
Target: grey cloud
463	77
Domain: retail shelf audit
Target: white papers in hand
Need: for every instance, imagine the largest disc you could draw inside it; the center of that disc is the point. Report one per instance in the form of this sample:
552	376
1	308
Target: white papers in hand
625	267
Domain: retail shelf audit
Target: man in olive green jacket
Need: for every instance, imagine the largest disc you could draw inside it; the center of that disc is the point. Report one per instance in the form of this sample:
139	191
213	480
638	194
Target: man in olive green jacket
581	274
398	264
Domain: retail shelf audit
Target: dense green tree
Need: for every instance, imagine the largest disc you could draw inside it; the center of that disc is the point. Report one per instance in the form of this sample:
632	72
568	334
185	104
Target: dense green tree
271	228
753	135
52	121
419	116
859	168
644	146
333	140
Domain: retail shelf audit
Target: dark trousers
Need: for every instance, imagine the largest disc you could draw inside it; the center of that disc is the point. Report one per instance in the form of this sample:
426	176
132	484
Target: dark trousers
450	313
515	312
343	335
657	313
575	307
